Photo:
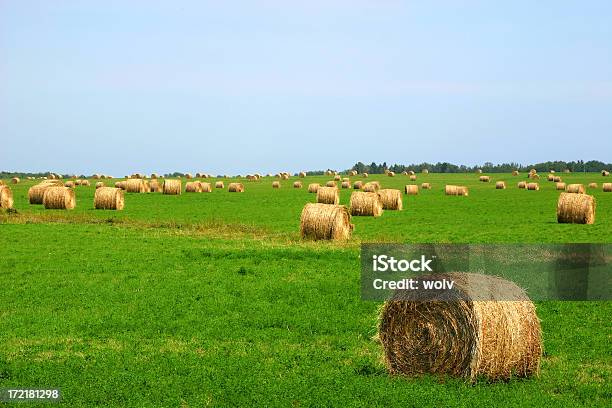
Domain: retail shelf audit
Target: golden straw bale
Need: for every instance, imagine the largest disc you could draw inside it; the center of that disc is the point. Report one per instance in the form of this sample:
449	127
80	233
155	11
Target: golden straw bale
219	184
59	198
456	190
576	208
560	186
533	186
109	198
411	189
575	188
172	187
297	184
235	188
500	185
328	195
6	197
391	199
325	221
358	185
368	204
313	187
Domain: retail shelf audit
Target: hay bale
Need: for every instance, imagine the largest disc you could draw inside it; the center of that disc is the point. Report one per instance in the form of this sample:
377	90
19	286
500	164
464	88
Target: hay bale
550	177
78	182
605	173
15	180
276	184
411	189
328	195
302	174
219	184
353	173
154	176
371	187
345	184
366	175
560	186
607	187
313	187
235	188
206	187
533	186
36	192
593	185
557	179
425	171
336	178
109	198
484	179
297	184
391	199
99	184
575	188
135	185
325	221
366	204
576	209
188	176
330	184
358	185
121	184
522	184
391	174
456	190
413	177
6	197
484	327
85	183
515	173
59	198
426	186
154	186
172	187
500	185
193	187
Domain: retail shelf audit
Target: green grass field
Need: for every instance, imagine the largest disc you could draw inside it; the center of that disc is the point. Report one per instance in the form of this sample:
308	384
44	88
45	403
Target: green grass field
213	299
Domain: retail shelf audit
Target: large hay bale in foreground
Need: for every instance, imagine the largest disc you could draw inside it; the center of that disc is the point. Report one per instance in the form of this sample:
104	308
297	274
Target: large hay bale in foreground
193	187
276	184
135	185
522	184
484	179
235	188
560	186
607	187
575	188
172	187
484	327
325	221
219	184
6	197
366	204
328	195
59	198
456	190
500	185
411	189
391	199
533	186
36	192
576	209
313	187
109	198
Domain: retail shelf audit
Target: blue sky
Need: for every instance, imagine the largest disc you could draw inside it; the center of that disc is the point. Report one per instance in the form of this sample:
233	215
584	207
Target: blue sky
246	86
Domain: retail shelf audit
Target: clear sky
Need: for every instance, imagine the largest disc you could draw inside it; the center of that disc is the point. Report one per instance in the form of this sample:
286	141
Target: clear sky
244	86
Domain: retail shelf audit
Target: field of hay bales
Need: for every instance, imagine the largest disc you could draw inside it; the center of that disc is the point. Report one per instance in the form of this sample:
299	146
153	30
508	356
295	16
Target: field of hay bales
215	299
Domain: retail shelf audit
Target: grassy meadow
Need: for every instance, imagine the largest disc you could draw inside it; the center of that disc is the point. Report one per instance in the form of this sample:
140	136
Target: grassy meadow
212	299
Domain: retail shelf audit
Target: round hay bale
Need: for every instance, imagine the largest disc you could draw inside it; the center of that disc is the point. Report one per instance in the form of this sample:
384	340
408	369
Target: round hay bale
366	175
36	193
605	173
206	187
575	188
607	187
484	179
391	199
99	184
328	195
484	327
147	186
522	184
172	187
533	186
500	185
135	185
391	174
515	173
456	190
193	187
371	187
85	183
413	177
188	176
560	186
297	184
6	197
411	189
109	198
59	198
219	184
353	173
78	182
550	177
426	186
330	184
302	174
336	178
284	176
15	180
346	179
325	221
358	185
425	171
366	204
404	173
313	187
120	184
235	188
557	179
576	209
593	185
96	176
345	184
411	173
154	175
154	186
276	184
